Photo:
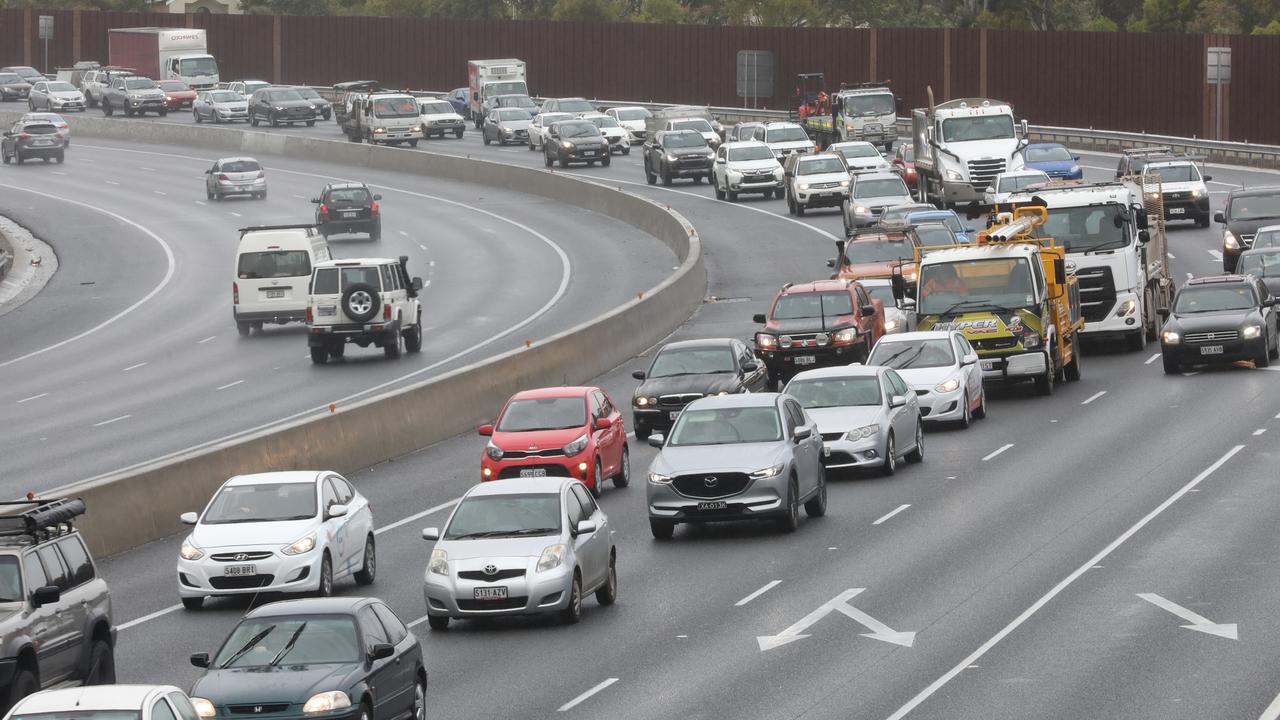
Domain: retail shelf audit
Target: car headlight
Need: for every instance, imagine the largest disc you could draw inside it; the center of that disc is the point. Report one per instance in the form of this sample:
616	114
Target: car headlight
949	386
1127	307
1229	241
862	433
765	473
566	145
891	325
204	708
1251	331
659	479
327	702
380	130
671	157
954	175
577	445
1031	340
844	183
439	562
861	210
279	109
1196	194
190	551
493	451
552	558
711	155
1170	337
643	401
766	341
779	174
304	544
714	394
844	337
1076	168
804	186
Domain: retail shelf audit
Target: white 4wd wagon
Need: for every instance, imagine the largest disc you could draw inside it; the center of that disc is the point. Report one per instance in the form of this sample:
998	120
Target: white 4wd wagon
370	301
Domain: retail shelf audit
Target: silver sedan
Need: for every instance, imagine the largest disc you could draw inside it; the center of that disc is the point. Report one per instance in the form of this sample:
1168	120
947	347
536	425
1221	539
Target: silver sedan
55	95
219	106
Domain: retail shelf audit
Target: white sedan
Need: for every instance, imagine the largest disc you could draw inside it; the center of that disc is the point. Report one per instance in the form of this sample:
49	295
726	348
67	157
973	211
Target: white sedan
619	138
632	118
942	368
291	532
861	156
540	126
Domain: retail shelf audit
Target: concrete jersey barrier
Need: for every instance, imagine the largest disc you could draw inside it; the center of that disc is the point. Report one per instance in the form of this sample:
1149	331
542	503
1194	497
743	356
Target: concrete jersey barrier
143	505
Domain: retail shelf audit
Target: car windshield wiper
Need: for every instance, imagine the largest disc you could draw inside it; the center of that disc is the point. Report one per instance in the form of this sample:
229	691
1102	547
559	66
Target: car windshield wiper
288	646
889	360
533	531
907	363
247	646
481	534
972	304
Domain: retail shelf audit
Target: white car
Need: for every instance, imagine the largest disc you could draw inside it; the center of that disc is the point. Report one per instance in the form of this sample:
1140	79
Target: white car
107	702
1006	184
247	87
815	181
439	118
292	532
632	118
520	546
861	156
55	95
896	319
942	369
784	138
619	138
541	126
746	167
1183	185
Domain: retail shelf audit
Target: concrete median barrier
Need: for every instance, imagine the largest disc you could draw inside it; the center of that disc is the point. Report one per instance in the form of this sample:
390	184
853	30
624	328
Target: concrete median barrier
143	505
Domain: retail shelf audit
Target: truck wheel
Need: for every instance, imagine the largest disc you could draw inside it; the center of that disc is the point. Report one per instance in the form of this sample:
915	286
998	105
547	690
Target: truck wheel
1071	371
311	123
253	120
24	684
1044	383
1137	341
164	112
413	338
319	355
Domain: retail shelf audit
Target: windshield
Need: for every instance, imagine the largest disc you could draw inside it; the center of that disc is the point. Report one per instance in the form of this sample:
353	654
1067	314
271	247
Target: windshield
696	125
975	285
704	361
1048	154
836	392
818	166
684	140
604	121
951	221
578	130
549	119
557	413
725	426
755	152
991	127
1251	207
253	86
225	96
903	355
10	579
633	114
308	93
879	251
487	516
1214	298
241	166
515	87
198	67
274	264
282	95
1011	183
786	134
879	104
880	188
858	151
1176	173
574	105
514	114
933	235
883	293
173	86
139	84
436	107
813	305
1261	264
269	502
61	87
1087	229
395	108
293	641
516	101
909	153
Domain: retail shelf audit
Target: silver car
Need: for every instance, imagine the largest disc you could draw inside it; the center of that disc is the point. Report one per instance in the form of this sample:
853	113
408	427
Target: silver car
869	195
737	457
520	546
235	176
942	368
868	416
55	95
219	106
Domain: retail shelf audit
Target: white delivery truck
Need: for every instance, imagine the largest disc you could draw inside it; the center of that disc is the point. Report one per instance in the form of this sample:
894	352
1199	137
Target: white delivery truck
165	54
487	78
962	145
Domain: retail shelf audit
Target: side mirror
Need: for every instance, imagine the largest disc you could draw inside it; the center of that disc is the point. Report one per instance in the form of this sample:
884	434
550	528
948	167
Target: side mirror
1059	271
188	518
907	304
417	283
431	534
831	263
1024	127
585	527
206	172
1163	312
750	367
1218	217
802	434
1269	302
200	660
45	595
899	285
866	310
1141	217
759	318
969	359
485	430
315	200
1144	237
336	510
381	651
638	374
991	189
1075	158
604	423
657	440
897	401
377	197
1208	178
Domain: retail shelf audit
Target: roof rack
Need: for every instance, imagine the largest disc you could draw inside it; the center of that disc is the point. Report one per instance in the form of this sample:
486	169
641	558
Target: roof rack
255	228
1149	150
43	518
865	84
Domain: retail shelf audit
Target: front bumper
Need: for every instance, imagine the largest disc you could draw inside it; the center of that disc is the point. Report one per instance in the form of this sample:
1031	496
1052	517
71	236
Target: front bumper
687	170
532	592
939	406
883	135
277	573
961	192
790	361
147	105
578	467
1186	209
1191	354
66	104
832	197
177	103
843	454
1113	326
1014	366
754	183
576	154
397	135
442	127
759	500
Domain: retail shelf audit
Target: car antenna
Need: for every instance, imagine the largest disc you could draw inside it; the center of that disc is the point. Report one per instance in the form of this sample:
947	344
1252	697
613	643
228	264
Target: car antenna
822	311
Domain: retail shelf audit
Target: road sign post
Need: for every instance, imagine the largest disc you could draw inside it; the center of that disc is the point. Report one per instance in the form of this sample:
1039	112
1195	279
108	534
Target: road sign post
1218	72
46	34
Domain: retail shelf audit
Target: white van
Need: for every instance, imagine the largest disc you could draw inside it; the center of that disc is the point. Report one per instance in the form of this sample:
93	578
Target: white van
273	269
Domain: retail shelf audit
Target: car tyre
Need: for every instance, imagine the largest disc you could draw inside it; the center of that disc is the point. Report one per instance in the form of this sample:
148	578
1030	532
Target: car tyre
626	149
24	684
319	355
917	454
438	622
791	520
597	479
547	161
642	432
102	665
966	416
981	411
419	711
573	612
715	187
799	209
192	603
196	115
392	349
623	478
564	162
369	567
17	156
325	586
816	506
413	337
312	123
456	133
1202	221
661	529
243	329
487	140
648	176
253	120
608	593
606	161
666	177
890	464
733	196
4	157
1171	367
1263	359
375	302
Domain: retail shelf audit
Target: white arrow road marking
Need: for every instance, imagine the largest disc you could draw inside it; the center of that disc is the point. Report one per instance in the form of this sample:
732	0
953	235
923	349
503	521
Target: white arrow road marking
1273	710
840	604
1198	623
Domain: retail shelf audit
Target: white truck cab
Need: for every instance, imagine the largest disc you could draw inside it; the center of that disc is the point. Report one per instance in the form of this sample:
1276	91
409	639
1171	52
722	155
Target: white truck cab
383	118
962	145
273	270
490	78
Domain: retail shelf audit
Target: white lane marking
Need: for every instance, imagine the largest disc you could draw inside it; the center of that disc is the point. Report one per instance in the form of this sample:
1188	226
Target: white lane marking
586	695
767	587
1259	431
1057	589
233	214
149	616
405	234
112	420
1277	417
300	197
168	274
1095	167
1152	359
200	202
417	516
1198	622
424	247
159	192
1171	256
211	337
55	172
1095	396
1273	710
147	169
997	452
33	397
133	367
1224	184
111	182
229	385
890	514
1217	254
411	625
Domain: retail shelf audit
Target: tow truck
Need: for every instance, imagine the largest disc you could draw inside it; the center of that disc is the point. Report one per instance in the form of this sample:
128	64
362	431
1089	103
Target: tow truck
857	111
1011	296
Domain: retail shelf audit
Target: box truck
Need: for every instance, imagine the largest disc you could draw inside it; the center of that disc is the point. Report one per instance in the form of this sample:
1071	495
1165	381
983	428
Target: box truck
165	54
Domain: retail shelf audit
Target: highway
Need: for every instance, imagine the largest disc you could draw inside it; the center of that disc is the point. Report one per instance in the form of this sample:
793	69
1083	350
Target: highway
1043	563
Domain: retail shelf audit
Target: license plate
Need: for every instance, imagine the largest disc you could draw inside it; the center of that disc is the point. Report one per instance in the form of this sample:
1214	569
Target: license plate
351	214
239	570
1211	350
490	593
533	472
589	152
40	142
806	359
328	310
988	365
675	414
275	293
1177	211
715	505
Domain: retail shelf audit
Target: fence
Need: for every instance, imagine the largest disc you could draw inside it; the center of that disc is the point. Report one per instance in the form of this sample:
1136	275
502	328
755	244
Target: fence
1120	81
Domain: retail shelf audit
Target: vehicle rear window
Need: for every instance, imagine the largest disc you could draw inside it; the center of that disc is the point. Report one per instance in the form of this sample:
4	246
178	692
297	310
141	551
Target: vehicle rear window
240	166
325	282
880	188
81	715
366	275
40	129
274	264
349	195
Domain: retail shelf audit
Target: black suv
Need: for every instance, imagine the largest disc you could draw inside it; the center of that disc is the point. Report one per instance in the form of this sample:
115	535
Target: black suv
674	154
1247	210
56	627
682	372
1220	319
573	141
276	106
30	139
348	208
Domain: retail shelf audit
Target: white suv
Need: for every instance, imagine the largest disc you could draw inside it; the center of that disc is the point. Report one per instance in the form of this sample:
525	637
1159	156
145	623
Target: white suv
370	301
784	138
815	181
746	167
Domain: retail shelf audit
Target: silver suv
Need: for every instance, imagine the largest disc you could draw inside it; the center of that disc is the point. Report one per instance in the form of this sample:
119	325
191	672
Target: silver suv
51	601
370	301
735	457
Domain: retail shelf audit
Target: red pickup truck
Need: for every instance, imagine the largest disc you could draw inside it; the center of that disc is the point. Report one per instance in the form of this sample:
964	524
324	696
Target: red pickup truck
818	324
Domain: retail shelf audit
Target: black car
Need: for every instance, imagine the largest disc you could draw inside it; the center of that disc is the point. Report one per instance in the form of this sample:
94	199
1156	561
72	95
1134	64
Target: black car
31	139
1263	264
334	658
1247	209
348	208
323	107
1220	319
682	372
573	141
671	154
277	106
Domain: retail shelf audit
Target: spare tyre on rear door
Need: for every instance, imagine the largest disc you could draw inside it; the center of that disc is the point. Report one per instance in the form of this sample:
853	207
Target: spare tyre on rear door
363	302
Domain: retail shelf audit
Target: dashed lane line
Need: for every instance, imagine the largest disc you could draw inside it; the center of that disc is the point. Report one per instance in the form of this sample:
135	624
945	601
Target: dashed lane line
766	588
1094	396
112	420
586	695
893	512
997	451
33	397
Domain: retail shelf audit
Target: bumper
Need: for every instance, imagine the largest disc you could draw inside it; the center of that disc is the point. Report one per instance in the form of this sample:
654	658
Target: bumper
789	362
578	467
517	136
941	407
961	192
242	188
1014	367
362	335
821	198
1111	325
848	454
146	105
278	317
688	171
1186	209
754	184
759	500
177	103
581	156
443	128
278	573
660	418
1231	351
230	115
41	152
396	135
361	225
887	135
66	104
533	592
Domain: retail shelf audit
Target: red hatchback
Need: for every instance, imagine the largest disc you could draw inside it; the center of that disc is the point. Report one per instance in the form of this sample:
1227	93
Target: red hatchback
565	431
177	94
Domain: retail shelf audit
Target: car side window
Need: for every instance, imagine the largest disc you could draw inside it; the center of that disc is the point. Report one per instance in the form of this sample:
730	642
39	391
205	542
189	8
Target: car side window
862	296
960	348
584	499
81	568
899	385
53	566
385	272
160	710
796	413
371	628
180	702
34	571
342	489
574	506
396	631
328	495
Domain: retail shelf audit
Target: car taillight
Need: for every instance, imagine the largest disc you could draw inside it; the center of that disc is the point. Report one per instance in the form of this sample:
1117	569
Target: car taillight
24	136
386	311
374	209
223	176
235	293
324	211
310	317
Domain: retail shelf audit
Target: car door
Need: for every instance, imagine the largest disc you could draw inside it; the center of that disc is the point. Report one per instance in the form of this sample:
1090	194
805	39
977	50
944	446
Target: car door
383	677
808	451
76	593
592	549
972	377
897	415
720	171
752	380
42	622
161	710
408	655
910	413
62	635
359	520
334	529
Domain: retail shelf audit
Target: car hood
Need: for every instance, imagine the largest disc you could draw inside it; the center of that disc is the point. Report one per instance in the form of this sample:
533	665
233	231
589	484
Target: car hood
510	547
514	124
680	384
212	537
844	419
16	85
537	439
741	165
296	103
823	178
67	94
683	151
146	92
927	378
1052	167
789	145
448	116
180	93
867	163
1184	186
584	141
875	270
743	457
284	683
1249	227
232	105
1212	321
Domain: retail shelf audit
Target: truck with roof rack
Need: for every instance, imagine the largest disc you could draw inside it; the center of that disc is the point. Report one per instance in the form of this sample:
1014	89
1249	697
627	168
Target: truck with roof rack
961	145
857	111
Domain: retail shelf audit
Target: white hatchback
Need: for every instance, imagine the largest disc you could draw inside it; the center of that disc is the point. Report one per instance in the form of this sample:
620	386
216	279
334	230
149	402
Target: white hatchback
942	369
292	532
861	156
633	119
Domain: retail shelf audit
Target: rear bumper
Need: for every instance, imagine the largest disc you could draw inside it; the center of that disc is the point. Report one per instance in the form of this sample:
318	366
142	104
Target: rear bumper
41	152
365	225
327	335
278	317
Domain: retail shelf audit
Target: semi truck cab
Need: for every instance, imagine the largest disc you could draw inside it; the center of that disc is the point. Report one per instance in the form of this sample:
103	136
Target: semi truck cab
962	145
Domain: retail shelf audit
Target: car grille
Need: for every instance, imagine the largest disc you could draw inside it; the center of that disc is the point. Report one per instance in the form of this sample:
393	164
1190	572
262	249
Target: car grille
832	436
924	411
805	340
725	484
766	173
262	709
241	557
552	469
522	133
995	343
982	172
824	186
298	111
481	576
240	582
511	603
1177	196
1246	240
922	393
523	454
1097	293
679	400
692	161
837	458
1207	337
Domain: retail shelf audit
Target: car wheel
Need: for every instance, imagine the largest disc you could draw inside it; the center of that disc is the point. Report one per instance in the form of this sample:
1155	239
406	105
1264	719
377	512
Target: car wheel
102	665
17	156
573	612
392	349
799	209
791	207
413	337
607	161
666	177
487	140
4	157
438	622
917	454
648	176
623	478
608	593
361	302
24	684
107	109
325	587
547	161
791	520
890	464
243	329
192	603
419	700
661	529
319	355
312	123
1171	367
531	147
369	569
816	506
196	115
162	113
966	417
456	133
733	196
1274	353
564	162
31	105
597	479
253	120
715	187
626	149
981	411
1202	221
1263	359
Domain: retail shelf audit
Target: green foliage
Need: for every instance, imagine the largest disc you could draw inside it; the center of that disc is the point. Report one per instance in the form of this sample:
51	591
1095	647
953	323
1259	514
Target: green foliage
587	10
1102	24
661	11
1271	28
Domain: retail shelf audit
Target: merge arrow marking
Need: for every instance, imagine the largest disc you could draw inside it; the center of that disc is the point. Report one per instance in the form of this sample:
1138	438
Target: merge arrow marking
840	604
1198	623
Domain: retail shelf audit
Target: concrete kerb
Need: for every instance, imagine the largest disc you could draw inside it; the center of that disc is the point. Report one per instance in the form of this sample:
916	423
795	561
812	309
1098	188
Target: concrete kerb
143	505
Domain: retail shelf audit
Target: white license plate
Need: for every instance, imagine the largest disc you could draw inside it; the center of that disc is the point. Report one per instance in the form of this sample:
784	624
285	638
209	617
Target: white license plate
329	310
674	414
988	365
275	293
1177	211
40	143
715	505
589	152
239	570
806	359
490	593
533	472
351	214
1211	350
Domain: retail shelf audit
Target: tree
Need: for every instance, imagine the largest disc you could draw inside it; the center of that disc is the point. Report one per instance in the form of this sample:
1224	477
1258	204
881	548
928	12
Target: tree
661	11
587	10
1164	16
1271	28
1217	16
1102	24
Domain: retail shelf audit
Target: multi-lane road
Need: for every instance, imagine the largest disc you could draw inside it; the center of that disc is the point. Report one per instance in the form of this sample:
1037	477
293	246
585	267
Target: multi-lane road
1104	552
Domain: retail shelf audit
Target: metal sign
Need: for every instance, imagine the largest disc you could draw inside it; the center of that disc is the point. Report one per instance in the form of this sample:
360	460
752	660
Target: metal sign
46	27
755	74
1218	63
